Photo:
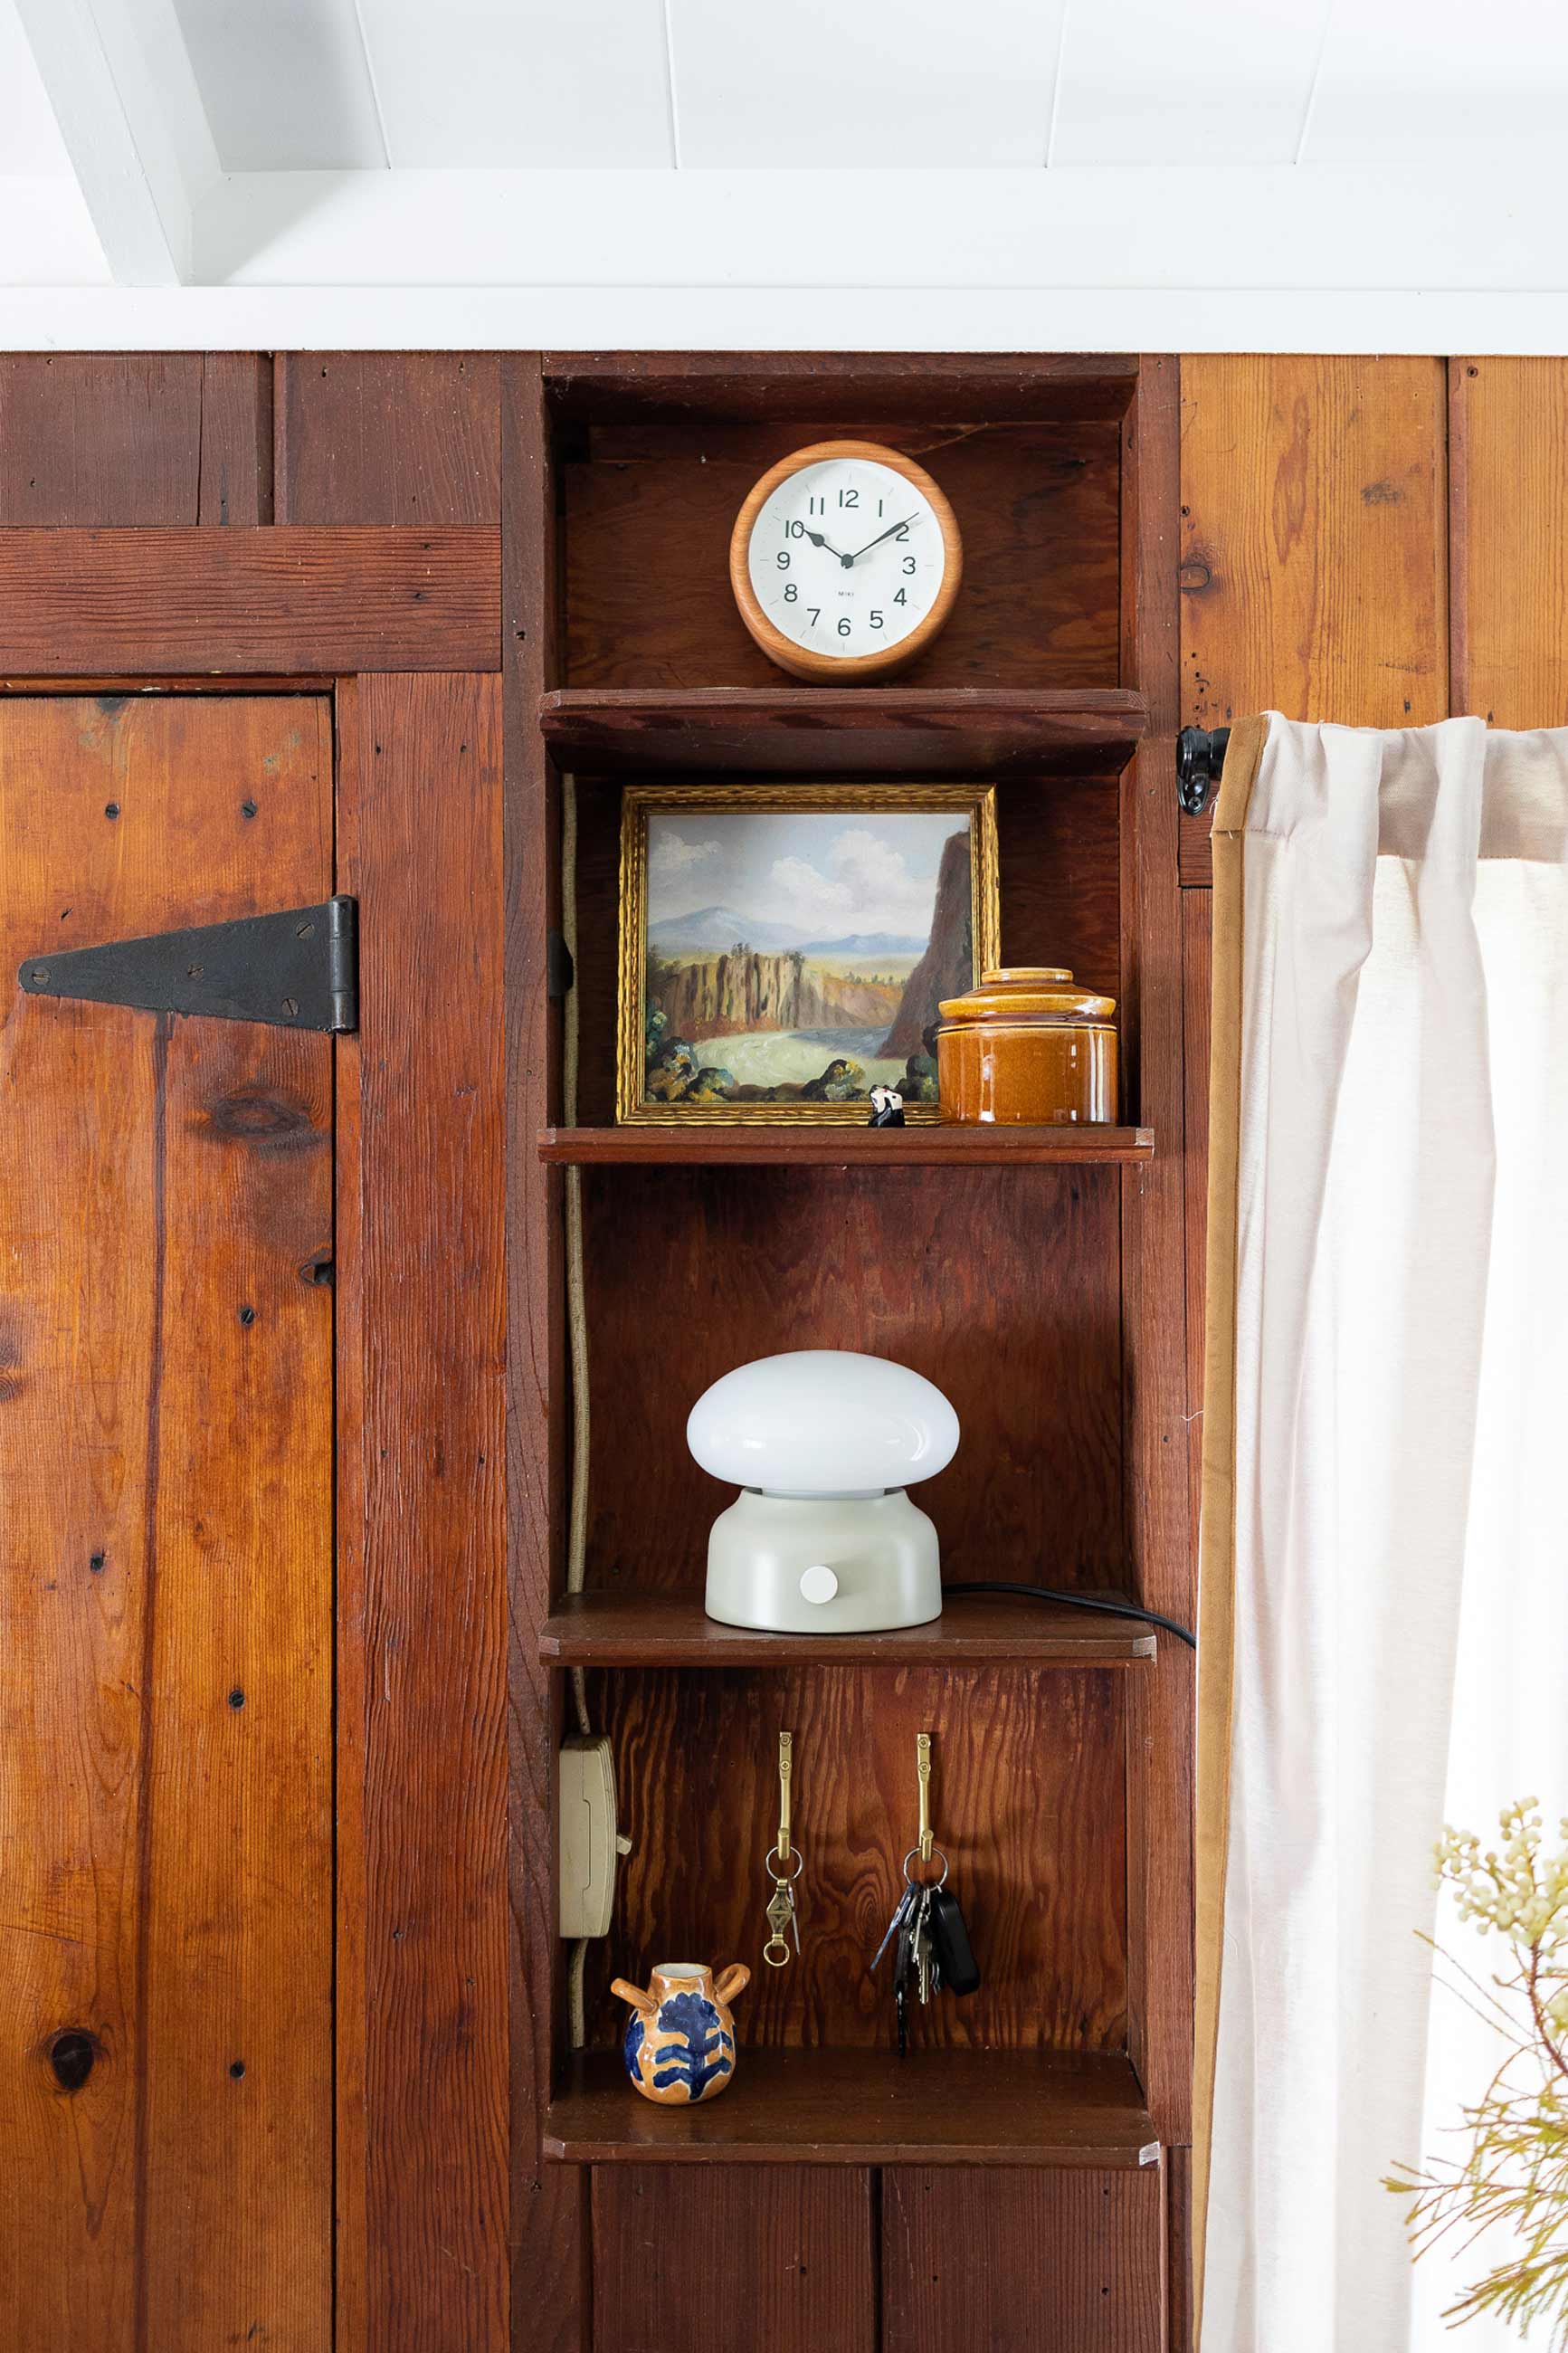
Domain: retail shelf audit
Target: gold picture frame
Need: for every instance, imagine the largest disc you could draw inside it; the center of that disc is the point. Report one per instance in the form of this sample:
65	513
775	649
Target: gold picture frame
634	1107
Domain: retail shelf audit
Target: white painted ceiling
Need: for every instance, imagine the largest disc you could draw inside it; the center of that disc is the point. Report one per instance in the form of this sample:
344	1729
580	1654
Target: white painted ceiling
1105	157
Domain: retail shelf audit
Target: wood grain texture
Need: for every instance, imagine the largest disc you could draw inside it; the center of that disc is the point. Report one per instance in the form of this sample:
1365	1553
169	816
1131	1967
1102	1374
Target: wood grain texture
793	2267
1508	443
846	1147
1197	974
99	437
1028	1803
159	603
911	386
671	1630
1313	548
165	1448
1013	2262
552	2237
649	514
388	437
426	1968
984	733
236	440
1179	2249
1000	1284
1160	1712
1040	2109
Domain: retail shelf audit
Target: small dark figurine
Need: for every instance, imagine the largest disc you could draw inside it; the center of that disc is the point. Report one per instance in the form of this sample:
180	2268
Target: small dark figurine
886	1108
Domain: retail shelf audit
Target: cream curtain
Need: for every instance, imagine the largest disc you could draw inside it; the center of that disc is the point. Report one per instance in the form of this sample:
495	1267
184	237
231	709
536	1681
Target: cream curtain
1384	1613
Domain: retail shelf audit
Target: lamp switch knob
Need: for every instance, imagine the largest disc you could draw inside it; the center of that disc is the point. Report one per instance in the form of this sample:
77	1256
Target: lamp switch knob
818	1583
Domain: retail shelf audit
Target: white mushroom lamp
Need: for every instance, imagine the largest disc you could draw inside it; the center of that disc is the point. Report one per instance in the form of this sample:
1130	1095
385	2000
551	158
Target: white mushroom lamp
822	1539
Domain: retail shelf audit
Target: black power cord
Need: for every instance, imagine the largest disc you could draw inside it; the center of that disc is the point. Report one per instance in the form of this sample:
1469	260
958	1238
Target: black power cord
1082	1601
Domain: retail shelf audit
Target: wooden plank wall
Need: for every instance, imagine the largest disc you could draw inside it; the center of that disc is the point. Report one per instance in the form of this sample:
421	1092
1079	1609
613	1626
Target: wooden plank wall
421	1995
1378	542
1375	541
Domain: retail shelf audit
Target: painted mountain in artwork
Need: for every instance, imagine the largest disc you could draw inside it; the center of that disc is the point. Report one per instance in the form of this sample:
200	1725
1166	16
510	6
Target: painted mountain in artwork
711	930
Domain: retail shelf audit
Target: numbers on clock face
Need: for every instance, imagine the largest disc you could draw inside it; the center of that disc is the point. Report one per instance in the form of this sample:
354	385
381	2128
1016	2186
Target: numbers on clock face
846	557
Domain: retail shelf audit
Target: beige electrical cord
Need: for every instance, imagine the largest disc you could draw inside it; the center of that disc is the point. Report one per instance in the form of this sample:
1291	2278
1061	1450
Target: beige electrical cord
577	1344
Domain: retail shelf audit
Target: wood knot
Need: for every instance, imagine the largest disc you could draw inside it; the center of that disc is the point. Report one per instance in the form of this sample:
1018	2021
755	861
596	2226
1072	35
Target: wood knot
72	2053
266	1117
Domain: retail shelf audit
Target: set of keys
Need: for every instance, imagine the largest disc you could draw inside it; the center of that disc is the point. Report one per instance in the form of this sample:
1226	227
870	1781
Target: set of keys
933	1952
933	1949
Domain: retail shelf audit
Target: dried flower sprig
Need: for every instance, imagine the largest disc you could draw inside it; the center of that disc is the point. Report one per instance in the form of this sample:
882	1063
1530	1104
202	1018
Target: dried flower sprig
1515	2172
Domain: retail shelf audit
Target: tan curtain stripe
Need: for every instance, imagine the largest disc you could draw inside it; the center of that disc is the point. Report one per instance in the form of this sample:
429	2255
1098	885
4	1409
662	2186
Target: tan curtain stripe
1216	1596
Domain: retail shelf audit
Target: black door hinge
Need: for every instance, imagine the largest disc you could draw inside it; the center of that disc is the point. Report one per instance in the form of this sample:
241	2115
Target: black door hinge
296	970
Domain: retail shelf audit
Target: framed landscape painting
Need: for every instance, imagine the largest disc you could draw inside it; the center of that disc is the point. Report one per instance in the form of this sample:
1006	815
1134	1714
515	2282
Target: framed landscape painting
785	948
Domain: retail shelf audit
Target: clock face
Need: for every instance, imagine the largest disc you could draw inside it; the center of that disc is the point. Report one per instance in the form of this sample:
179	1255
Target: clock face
845	558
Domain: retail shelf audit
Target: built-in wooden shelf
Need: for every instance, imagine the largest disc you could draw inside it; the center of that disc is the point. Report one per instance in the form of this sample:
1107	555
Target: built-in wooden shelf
976	733
798	1144
866	2108
672	1630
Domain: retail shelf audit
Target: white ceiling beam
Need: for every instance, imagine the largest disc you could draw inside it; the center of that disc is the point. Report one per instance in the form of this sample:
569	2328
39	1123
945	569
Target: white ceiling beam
119	81
1488	224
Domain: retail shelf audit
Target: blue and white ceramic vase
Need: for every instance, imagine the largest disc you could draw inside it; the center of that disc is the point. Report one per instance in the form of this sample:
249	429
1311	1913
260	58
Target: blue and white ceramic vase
680	2038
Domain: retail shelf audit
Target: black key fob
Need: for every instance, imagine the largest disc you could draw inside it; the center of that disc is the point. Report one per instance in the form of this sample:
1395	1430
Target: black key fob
949	1938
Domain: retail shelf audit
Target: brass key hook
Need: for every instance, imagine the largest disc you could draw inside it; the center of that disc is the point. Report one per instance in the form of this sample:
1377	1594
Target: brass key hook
786	1746
923	1774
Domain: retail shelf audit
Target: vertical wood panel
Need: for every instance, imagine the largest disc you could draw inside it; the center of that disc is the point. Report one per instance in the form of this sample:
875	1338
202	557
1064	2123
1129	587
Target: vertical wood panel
714	2258
552	2239
423	1972
1160	1705
166	1466
237	439
99	437
1179	2249
388	437
1314	538
1197	970
1013	2261
1509	440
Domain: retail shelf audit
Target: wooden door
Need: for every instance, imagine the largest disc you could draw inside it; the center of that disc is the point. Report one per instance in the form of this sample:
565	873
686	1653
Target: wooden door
166	1604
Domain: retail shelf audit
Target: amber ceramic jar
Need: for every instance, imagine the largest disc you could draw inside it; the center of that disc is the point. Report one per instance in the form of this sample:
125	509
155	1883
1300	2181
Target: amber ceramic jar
1026	1048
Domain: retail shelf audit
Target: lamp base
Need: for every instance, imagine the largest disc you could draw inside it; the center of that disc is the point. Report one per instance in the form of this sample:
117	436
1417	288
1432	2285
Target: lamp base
824	1563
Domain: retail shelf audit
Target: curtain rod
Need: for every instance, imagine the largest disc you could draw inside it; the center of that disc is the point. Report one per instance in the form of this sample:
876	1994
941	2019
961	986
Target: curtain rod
1200	756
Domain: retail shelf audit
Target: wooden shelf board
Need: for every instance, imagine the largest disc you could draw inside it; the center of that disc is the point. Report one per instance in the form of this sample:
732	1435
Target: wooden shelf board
976	733
996	387
866	2108
791	1144
672	1630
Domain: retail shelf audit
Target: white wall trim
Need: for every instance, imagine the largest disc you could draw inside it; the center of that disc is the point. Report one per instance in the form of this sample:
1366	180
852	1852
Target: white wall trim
749	318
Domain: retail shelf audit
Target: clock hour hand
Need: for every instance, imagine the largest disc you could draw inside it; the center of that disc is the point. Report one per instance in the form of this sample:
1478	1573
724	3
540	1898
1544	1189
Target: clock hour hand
881	535
818	539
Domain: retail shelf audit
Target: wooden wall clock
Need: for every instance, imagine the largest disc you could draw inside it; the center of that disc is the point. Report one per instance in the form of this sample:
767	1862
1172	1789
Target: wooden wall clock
844	560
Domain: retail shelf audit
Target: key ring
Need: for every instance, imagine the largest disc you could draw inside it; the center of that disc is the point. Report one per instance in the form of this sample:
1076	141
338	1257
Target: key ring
924	1882
782	1880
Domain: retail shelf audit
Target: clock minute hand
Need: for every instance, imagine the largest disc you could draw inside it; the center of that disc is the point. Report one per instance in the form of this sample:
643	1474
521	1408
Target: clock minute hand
881	535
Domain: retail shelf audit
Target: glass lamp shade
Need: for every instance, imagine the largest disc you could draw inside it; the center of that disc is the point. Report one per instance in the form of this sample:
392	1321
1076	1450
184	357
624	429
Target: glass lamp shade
823	1421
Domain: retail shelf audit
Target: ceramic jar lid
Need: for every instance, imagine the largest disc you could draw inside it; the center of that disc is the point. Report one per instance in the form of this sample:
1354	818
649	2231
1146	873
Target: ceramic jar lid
1028	993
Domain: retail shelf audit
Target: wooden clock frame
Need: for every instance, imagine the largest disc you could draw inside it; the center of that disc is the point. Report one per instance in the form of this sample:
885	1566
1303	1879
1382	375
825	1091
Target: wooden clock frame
799	660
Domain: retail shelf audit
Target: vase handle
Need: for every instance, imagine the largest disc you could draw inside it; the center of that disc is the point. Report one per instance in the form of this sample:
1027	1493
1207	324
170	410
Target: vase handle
733	1983
640	2002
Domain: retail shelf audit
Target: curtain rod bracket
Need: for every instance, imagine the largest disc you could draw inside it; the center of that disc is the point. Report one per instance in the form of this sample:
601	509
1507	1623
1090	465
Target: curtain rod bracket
1200	756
